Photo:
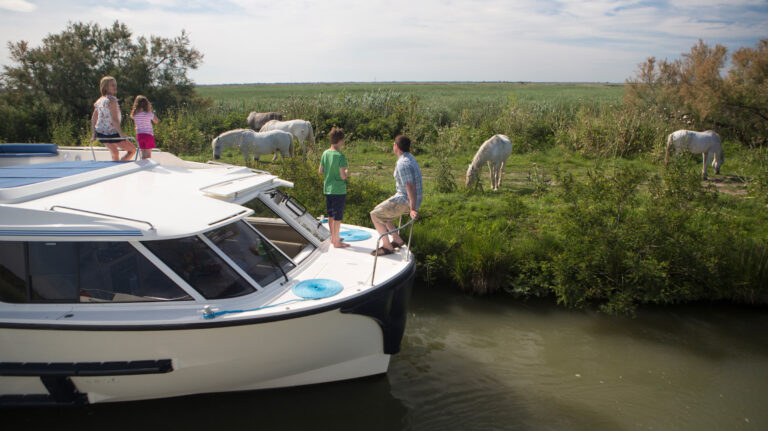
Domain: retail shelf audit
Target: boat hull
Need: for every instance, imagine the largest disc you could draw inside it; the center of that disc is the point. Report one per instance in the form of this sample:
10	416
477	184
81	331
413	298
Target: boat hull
75	365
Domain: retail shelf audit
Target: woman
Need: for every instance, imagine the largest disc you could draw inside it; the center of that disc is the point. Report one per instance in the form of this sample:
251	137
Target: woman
105	121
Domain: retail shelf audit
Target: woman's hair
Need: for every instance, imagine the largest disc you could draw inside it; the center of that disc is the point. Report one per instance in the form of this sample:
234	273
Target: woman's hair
104	82
141	104
335	135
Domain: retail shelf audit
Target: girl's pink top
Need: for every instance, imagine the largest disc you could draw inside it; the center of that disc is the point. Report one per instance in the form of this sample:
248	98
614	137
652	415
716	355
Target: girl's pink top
143	122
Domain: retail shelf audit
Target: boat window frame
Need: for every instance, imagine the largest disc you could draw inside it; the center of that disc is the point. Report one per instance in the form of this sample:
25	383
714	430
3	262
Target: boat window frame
262	196
259	288
159	265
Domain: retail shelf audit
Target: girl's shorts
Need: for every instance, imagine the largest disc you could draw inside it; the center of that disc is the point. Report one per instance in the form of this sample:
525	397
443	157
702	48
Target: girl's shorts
146	141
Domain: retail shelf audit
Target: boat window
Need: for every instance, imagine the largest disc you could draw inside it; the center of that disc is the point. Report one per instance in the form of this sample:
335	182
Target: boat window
201	267
13	274
277	230
53	271
252	253
296	211
117	272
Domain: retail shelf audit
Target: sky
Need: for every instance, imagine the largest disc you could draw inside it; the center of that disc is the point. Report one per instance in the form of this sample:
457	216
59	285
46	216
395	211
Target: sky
409	40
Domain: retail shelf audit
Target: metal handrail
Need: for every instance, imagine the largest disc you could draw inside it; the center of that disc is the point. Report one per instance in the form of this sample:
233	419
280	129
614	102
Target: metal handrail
151	226
376	255
126	138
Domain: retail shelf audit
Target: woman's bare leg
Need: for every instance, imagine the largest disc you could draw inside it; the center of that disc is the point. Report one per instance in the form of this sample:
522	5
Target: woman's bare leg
112	147
129	149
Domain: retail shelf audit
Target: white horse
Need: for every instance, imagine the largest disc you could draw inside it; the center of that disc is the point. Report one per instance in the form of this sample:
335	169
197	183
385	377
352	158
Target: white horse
254	144
300	129
495	152
706	143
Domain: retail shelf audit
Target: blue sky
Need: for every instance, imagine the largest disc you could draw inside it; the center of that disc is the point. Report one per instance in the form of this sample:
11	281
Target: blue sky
410	40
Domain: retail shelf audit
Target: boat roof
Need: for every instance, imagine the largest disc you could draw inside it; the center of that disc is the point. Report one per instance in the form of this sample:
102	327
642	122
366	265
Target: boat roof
107	200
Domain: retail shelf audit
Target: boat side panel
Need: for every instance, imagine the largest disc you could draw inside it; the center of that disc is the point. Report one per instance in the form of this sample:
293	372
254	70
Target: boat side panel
318	348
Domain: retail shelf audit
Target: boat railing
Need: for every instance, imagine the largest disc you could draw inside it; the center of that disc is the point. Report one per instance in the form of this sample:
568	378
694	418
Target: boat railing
137	156
378	241
151	226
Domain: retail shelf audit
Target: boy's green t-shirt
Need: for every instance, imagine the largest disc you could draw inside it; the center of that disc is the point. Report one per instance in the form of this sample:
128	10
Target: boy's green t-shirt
331	161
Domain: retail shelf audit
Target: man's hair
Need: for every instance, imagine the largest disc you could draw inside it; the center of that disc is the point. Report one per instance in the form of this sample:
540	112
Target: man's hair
403	143
335	135
103	84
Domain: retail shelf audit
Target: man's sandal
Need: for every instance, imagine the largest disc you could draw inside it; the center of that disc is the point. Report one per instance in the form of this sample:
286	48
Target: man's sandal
382	252
396	244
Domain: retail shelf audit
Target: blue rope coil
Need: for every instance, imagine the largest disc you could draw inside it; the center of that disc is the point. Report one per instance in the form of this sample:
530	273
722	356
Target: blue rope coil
317	288
354	235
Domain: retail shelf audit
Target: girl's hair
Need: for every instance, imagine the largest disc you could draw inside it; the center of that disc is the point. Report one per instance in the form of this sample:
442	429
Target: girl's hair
104	82
141	104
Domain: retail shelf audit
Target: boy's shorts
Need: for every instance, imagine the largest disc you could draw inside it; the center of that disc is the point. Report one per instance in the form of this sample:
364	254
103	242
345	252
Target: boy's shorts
334	204
146	141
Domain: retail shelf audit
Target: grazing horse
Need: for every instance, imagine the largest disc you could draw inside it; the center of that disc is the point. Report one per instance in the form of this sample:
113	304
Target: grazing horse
300	129
495	152
253	144
256	120
706	143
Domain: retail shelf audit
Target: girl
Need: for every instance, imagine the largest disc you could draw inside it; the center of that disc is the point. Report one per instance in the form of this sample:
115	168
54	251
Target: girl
105	121
143	116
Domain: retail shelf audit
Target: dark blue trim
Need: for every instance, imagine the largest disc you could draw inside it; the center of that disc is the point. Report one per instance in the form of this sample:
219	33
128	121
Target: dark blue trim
68	369
10	232
32	149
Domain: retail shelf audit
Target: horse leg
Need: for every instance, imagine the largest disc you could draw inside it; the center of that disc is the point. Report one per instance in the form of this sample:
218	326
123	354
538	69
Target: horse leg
706	159
501	172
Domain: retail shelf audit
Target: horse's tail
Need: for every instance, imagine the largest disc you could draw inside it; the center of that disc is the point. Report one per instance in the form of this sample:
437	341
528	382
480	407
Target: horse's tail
669	146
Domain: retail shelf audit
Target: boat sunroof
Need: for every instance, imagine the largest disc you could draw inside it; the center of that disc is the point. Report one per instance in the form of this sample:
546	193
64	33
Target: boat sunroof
22	175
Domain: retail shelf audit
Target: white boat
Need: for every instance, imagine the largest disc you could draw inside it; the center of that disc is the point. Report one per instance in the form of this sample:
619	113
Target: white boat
159	278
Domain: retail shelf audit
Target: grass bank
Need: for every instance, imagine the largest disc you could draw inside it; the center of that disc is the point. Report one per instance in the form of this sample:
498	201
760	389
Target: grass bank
587	214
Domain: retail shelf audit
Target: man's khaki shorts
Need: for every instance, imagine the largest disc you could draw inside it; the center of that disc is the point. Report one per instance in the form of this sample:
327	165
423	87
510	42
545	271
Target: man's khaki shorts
387	211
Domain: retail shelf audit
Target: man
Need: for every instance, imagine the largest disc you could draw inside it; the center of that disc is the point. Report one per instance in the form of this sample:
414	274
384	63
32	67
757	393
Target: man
406	201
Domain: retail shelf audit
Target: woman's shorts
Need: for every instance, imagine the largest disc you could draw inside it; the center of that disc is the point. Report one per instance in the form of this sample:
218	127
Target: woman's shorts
109	139
146	141
335	206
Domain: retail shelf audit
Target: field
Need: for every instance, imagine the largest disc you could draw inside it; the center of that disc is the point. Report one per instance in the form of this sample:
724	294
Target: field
587	213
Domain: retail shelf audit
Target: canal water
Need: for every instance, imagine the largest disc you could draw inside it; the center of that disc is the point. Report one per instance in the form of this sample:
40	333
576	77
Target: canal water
472	363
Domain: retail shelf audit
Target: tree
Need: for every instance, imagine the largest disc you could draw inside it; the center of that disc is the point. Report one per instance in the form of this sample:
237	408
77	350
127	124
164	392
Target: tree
63	74
697	87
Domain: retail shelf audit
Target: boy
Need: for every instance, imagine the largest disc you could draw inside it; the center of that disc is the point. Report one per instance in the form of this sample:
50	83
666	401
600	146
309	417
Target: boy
333	167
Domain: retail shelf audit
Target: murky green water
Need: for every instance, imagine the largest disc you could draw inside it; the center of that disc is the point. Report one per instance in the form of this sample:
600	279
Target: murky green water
479	363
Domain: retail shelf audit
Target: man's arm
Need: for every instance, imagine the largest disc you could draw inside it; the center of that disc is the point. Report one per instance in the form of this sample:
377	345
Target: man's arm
343	173
320	170
411	189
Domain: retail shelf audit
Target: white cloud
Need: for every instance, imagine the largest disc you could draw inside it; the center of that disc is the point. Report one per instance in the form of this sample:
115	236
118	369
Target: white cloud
341	40
17	5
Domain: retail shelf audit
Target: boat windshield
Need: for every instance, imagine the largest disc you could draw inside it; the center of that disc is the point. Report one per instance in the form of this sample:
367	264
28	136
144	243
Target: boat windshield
296	211
278	231
251	252
201	267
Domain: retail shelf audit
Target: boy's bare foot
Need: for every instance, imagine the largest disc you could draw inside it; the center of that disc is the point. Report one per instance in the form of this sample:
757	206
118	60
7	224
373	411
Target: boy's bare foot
340	245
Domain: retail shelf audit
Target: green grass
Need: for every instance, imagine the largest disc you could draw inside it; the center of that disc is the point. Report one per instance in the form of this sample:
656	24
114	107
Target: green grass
264	96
